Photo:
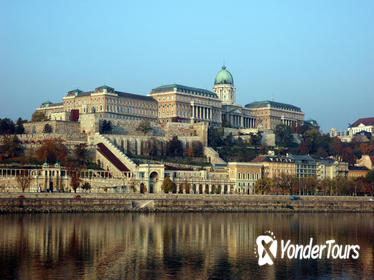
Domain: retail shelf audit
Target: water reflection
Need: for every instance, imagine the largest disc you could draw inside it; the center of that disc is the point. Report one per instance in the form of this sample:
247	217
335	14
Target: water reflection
170	246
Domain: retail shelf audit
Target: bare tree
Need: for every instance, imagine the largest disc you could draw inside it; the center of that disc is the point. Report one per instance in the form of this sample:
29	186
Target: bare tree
23	179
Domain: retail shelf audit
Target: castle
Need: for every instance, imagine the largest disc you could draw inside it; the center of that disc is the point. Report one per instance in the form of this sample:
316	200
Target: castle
172	110
176	103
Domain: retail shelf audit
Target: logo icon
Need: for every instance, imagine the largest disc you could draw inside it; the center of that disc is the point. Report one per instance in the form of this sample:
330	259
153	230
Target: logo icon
266	248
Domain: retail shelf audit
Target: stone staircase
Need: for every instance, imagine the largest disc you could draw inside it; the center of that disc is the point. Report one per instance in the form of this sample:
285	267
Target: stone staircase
113	158
213	156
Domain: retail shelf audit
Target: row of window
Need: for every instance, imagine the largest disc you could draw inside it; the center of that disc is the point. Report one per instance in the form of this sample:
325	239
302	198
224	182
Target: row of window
115	101
248	176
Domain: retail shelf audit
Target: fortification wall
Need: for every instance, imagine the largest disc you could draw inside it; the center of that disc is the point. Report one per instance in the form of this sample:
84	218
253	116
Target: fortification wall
58	127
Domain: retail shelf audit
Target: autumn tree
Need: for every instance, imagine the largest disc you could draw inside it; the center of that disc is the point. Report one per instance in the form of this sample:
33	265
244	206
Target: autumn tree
75	177
52	151
348	156
10	146
168	185
38	116
370	178
287	183
264	186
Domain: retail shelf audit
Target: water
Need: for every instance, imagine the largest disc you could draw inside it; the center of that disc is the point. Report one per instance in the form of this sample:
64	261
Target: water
176	246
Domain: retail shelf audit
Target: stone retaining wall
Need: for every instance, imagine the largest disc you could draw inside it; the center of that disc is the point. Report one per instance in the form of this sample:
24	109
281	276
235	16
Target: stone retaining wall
34	203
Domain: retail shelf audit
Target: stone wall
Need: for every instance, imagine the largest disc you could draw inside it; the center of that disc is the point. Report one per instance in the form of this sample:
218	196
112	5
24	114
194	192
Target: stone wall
48	203
91	123
187	130
59	127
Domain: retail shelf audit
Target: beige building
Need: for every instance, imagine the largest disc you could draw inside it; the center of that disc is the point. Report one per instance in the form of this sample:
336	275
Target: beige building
327	169
269	114
244	175
178	103
114	104
48	109
275	166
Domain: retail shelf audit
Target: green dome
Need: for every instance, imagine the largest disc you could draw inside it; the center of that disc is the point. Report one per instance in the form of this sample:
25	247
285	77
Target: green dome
224	77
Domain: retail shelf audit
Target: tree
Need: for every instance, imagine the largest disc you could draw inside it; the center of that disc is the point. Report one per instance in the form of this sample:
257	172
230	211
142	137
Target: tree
10	146
215	137
370	178
256	138
19	129
47	128
75	180
144	127
80	153
311	138
197	149
335	146
106	127
23	179
283	135
348	156
168	185
175	148
264	186
6	126
287	183
303	149
52	151
264	149
38	116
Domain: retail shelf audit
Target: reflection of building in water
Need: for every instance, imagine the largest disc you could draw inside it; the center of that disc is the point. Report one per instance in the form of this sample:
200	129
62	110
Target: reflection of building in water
164	246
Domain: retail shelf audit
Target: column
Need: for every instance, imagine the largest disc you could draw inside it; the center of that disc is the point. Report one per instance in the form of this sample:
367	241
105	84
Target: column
210	188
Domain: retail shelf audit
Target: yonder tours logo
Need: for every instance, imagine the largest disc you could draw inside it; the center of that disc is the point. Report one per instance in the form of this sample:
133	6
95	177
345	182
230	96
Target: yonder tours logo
267	247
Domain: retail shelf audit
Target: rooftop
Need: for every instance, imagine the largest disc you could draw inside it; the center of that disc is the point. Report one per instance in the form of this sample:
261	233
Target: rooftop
224	77
268	158
47	104
107	89
184	89
364	121
273	104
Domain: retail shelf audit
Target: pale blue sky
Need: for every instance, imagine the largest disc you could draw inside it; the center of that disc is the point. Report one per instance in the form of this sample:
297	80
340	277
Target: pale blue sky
318	55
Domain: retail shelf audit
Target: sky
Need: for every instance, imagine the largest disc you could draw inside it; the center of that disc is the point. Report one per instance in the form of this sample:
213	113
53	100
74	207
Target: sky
317	55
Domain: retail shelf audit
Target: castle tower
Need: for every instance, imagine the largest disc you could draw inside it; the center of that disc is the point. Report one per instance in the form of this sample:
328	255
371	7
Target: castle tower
224	86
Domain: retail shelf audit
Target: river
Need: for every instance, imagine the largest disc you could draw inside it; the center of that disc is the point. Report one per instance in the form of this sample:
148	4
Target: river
178	246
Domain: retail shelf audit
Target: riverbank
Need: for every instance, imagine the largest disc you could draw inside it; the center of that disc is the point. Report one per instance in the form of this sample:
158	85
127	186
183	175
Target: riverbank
67	203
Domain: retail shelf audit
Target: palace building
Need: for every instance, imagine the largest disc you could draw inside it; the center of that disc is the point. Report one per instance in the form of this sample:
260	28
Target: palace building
178	103
112	103
269	114
233	115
